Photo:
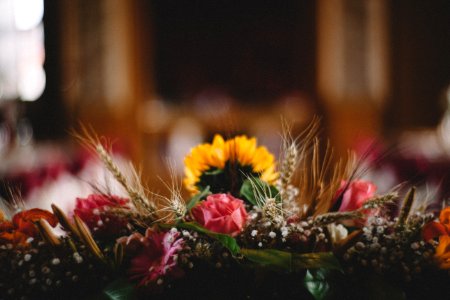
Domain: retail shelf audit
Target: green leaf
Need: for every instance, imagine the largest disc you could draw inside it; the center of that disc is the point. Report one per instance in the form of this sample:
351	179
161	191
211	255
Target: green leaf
213	172
262	187
120	289
194	200
315	260
269	257
317	283
247	192
292	261
226	240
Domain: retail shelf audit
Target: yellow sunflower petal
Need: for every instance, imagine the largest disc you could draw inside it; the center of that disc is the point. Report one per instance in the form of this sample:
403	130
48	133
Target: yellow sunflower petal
240	150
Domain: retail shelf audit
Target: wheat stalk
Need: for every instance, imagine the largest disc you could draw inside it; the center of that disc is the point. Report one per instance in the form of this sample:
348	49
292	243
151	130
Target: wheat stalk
135	191
319	174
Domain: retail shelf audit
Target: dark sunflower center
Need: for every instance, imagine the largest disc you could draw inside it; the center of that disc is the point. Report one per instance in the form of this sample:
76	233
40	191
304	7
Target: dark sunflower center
229	179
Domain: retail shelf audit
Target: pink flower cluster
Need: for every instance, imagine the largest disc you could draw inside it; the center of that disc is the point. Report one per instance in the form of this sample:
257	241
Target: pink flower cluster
154	255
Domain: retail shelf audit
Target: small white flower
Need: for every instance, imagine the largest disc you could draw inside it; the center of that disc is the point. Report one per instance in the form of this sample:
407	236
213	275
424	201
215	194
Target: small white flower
272	234
77	257
260	244
254	232
337	232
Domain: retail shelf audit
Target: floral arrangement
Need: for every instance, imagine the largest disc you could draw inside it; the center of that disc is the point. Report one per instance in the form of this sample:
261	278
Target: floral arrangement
305	226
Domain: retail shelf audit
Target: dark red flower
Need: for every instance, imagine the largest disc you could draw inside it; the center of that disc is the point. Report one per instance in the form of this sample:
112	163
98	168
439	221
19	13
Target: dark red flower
94	211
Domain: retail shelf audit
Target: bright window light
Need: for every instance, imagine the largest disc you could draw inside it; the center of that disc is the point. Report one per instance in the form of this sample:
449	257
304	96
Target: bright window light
28	13
22	52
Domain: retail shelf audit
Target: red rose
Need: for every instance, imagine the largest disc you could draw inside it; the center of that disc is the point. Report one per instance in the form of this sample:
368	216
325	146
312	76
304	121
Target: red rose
221	213
94	212
356	194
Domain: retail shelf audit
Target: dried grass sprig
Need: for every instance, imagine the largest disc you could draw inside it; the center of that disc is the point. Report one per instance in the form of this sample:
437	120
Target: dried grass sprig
373	203
15	202
406	208
379	201
335	217
271	208
47	233
173	207
320	175
288	161
87	239
64	221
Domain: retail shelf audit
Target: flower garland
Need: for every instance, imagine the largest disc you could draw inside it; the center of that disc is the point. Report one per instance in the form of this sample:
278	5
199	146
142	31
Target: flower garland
246	232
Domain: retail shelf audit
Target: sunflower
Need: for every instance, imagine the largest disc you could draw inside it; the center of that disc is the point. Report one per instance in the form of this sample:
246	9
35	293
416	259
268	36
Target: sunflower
224	165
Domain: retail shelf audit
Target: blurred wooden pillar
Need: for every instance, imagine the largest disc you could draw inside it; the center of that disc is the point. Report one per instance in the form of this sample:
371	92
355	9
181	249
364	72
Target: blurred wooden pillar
353	67
103	75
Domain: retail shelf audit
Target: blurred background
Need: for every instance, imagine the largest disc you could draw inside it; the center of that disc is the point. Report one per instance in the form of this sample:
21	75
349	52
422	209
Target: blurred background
160	76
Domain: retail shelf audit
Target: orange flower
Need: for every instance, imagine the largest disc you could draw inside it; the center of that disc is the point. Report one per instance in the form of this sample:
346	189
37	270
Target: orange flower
22	226
444	218
15	238
432	230
24	220
435	229
440	229
442	254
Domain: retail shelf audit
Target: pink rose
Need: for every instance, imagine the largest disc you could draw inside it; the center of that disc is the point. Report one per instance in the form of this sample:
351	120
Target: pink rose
221	213
357	192
94	212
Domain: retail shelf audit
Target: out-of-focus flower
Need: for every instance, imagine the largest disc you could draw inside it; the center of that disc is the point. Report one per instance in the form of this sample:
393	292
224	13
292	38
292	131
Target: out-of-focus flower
22	225
440	229
432	230
154	255
444	218
442	254
221	213
435	229
94	211
223	165
355	194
